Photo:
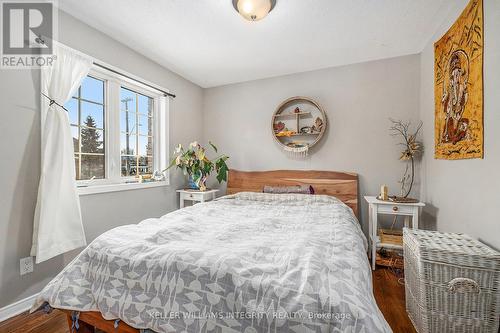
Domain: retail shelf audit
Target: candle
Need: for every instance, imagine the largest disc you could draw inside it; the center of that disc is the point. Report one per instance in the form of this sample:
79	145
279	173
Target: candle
383	192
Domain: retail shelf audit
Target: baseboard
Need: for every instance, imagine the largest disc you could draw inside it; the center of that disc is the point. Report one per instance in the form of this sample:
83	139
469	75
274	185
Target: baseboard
16	308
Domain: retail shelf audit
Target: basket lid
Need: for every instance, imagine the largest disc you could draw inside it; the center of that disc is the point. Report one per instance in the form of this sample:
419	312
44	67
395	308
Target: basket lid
435	245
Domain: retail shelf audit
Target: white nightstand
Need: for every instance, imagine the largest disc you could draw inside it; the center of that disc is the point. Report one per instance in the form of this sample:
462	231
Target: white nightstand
389	208
196	196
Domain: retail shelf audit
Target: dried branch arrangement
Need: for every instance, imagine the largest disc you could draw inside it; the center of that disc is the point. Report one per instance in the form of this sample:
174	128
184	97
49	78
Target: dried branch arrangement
411	150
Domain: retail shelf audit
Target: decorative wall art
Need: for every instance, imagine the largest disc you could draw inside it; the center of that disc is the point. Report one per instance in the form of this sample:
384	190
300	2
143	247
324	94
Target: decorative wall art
298	124
458	87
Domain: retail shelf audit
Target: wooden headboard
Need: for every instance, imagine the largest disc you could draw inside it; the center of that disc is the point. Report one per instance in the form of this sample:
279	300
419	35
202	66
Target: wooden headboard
342	185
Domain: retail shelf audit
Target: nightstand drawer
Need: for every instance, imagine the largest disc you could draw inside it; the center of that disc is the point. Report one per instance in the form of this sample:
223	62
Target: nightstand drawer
196	196
193	196
396	209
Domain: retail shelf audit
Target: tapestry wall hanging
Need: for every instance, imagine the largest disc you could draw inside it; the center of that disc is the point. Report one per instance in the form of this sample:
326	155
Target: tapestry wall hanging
458	87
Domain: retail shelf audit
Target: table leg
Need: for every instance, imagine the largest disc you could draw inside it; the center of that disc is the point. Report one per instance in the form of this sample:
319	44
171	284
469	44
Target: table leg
370	226
374	237
415	218
181	202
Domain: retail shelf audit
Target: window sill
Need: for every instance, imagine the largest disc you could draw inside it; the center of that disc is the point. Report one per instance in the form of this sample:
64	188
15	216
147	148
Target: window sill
95	189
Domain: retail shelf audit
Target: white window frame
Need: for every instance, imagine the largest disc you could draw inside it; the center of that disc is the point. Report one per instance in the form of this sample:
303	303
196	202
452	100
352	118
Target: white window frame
113	180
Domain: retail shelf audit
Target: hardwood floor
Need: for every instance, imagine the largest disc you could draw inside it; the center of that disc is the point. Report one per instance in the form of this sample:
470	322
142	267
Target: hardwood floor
390	296
38	322
388	293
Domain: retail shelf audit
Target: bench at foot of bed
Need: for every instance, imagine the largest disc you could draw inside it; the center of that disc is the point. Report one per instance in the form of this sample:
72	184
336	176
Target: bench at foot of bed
88	321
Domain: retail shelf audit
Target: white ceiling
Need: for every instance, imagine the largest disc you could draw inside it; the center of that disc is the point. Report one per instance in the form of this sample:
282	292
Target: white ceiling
207	42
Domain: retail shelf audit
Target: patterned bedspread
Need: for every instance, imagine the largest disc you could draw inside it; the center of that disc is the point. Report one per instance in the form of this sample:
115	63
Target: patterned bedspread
251	262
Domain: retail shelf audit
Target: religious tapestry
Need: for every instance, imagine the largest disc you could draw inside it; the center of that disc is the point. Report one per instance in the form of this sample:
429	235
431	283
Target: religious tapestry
458	87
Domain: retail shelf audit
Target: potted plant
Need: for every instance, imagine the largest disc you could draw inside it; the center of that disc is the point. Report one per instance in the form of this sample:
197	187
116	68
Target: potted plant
194	163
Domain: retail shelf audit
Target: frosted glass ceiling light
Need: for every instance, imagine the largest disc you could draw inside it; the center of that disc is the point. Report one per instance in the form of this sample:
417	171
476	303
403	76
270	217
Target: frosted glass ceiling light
254	10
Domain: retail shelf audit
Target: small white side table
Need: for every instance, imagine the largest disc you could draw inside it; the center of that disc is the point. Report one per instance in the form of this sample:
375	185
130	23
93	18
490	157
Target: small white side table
196	196
376	207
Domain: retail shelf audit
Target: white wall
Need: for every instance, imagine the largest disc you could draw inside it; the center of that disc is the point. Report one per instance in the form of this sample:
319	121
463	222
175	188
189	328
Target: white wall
20	156
358	100
462	195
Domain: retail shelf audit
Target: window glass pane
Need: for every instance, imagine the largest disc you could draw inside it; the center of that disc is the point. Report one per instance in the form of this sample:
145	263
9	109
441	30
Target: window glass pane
128	144
92	115
92	90
137	121
87	130
145	105
145	146
92	166
145	125
92	140
72	107
129	166
128	122
145	165
128	100
74	134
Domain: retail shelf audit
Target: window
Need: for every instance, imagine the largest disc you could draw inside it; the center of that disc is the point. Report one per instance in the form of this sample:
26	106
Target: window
119	131
136	139
86	116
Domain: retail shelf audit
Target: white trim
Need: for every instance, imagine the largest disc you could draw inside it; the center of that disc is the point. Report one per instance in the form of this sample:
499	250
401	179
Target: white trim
95	189
16	308
163	153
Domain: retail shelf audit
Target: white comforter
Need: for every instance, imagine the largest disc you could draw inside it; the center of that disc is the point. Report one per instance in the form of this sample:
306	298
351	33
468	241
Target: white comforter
251	262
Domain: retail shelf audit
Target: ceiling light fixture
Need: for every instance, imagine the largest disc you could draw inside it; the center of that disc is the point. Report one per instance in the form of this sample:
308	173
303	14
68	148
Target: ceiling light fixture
254	10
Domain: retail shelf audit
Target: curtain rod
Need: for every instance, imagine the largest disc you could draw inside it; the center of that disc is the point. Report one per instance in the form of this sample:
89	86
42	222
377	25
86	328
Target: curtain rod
40	40
134	79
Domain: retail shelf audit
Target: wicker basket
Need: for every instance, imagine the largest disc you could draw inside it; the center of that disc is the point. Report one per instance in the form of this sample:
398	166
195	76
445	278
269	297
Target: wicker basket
452	283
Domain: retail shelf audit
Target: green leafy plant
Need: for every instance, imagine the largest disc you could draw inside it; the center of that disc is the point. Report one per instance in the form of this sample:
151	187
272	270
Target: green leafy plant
194	162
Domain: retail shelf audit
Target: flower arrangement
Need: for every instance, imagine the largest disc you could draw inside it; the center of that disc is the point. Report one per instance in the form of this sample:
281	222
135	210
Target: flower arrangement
411	149
194	163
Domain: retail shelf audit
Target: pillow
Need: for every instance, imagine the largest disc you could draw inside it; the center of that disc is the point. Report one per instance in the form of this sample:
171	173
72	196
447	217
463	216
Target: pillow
301	189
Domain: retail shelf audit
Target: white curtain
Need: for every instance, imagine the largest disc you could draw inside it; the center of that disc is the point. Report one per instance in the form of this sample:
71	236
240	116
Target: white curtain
58	224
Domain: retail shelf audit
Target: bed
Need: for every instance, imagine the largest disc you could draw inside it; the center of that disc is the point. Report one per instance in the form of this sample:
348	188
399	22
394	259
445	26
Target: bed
248	262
